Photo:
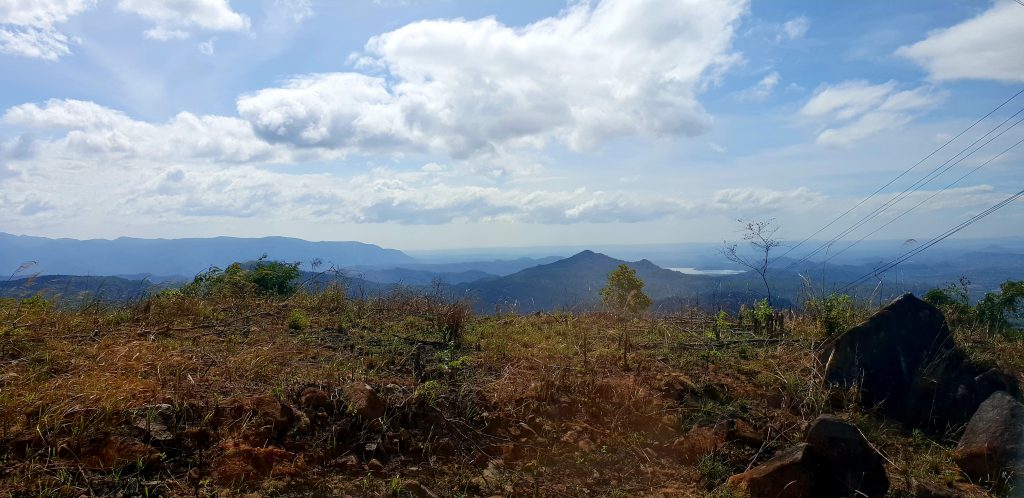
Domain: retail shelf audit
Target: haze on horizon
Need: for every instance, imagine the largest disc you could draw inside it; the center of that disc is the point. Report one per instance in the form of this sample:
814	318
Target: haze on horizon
434	124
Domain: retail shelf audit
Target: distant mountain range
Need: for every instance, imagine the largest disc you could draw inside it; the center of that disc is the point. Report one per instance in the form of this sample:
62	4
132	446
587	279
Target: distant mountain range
179	257
126	268
574	283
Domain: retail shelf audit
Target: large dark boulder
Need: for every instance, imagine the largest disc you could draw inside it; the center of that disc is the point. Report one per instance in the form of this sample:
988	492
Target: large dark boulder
844	463
992	447
888	352
904	360
836	461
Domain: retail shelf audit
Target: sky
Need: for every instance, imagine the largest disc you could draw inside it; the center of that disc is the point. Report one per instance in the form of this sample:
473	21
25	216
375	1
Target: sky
434	124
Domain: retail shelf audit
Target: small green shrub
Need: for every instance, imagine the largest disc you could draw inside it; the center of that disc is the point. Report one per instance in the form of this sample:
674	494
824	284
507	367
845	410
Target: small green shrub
833	313
298	320
714	470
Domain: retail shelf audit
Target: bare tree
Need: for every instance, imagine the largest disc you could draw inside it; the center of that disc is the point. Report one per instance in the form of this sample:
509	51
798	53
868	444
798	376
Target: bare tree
761	237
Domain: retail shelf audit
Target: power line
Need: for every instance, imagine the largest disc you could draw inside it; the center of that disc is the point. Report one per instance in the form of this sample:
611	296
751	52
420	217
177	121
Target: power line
908	170
948	233
935	173
947	187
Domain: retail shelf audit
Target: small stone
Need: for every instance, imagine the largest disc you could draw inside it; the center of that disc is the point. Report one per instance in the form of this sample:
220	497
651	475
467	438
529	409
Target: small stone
375	466
416	489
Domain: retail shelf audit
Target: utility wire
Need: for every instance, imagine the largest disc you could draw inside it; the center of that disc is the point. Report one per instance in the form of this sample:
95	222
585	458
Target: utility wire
904	173
947	187
935	173
883	268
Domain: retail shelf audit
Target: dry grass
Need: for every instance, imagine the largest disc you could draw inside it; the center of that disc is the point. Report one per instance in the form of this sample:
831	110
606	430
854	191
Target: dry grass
544	405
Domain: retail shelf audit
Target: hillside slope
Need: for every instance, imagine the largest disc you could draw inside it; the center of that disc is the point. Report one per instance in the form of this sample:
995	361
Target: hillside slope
574	283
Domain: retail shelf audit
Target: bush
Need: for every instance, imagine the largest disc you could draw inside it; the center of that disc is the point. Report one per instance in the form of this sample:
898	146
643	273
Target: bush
263	278
997	310
952	301
834	313
297	320
996	313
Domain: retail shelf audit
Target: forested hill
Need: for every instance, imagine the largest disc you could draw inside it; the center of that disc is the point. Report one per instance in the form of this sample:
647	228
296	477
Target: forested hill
574	283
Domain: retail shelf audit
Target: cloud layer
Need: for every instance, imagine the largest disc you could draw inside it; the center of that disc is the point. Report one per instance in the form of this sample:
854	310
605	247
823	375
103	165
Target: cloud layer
855	110
29	28
171	19
481	88
986	47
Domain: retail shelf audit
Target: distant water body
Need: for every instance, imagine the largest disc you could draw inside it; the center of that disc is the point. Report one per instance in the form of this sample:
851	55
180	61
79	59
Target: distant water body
694	271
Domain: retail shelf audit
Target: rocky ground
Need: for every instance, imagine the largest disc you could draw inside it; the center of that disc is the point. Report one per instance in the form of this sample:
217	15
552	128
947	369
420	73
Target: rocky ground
412	395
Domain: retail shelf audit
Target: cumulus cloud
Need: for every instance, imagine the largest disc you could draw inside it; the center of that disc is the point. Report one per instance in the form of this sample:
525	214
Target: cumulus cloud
986	47
857	109
28	28
172	18
479	88
762	89
95	130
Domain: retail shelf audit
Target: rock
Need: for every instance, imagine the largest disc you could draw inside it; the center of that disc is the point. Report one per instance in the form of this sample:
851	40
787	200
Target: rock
836	461
932	490
786	475
313	398
375	466
115	452
268	417
691	447
844	464
414	488
348	462
888	351
363	401
155	421
239	463
195	438
512	452
903	359
993	443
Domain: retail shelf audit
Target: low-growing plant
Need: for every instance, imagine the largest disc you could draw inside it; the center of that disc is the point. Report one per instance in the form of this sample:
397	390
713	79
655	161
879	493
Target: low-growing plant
833	313
298	320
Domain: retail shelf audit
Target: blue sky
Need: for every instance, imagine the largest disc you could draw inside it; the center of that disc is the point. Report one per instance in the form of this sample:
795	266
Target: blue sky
423	124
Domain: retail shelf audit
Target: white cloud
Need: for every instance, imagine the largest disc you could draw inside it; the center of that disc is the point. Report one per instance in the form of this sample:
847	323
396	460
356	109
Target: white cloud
858	109
174	17
795	28
206	47
420	198
745	199
294	11
481	88
762	89
986	47
94	131
164	34
28	28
